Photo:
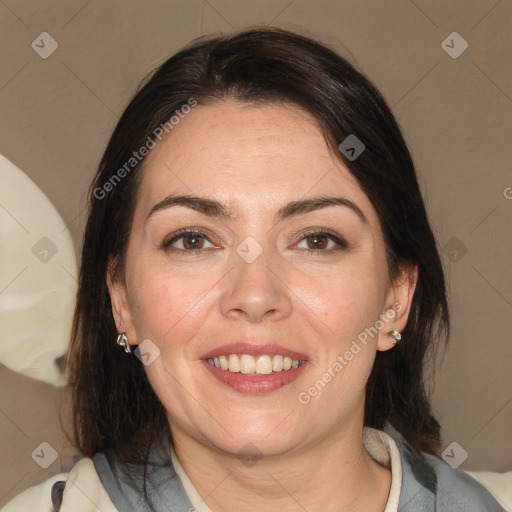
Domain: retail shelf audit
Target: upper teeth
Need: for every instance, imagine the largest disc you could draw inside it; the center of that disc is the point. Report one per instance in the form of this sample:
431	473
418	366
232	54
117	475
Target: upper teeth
259	365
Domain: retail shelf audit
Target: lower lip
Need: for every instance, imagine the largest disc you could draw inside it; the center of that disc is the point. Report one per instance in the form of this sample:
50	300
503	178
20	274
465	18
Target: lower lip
255	384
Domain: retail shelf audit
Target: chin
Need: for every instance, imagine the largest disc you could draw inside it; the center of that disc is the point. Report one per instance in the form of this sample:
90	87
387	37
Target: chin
253	438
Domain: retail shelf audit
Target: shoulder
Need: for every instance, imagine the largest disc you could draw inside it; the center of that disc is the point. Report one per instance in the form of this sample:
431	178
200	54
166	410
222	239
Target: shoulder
432	484
81	490
456	490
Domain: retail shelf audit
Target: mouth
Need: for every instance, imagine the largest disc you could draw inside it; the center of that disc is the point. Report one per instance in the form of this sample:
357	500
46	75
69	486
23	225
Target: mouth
247	364
254	369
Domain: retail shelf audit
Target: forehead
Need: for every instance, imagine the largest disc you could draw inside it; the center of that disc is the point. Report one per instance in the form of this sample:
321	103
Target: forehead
246	155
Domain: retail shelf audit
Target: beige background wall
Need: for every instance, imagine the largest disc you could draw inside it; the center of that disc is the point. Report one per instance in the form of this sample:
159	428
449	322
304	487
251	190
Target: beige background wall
57	113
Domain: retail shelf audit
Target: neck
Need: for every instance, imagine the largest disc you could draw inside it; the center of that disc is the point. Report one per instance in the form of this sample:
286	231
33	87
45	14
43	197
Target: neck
336	474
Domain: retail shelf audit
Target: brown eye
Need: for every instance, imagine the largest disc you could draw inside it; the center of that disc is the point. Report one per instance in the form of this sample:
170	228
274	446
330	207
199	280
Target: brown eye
322	241
193	241
317	241
187	242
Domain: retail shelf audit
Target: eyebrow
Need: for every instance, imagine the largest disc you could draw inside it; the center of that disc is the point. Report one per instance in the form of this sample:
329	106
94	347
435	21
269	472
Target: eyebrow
214	208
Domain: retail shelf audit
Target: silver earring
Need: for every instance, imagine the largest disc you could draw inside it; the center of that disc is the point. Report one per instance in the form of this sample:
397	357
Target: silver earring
395	335
122	340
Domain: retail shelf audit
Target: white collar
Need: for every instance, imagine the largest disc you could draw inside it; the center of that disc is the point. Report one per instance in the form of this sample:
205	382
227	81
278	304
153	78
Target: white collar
381	447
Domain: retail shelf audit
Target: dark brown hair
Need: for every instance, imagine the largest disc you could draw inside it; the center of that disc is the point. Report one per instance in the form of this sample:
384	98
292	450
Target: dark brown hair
114	404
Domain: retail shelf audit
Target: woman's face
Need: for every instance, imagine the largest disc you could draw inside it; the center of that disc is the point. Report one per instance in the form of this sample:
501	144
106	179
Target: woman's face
256	276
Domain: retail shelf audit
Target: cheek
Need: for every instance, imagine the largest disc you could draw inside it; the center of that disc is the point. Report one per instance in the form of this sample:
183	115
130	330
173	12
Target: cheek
165	304
347	301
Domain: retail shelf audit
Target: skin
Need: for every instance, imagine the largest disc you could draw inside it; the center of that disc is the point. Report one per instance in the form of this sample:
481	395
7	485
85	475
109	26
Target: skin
257	159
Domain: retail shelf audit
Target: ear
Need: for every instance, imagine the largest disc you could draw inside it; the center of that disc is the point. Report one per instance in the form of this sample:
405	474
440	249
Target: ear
121	310
398	305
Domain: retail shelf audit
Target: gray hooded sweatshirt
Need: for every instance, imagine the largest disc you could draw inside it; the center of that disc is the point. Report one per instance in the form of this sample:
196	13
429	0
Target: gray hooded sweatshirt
428	484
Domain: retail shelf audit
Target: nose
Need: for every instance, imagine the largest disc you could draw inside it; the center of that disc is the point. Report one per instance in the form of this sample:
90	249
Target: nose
256	291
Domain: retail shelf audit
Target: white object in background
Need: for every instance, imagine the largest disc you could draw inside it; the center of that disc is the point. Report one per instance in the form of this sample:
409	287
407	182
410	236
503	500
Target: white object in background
38	273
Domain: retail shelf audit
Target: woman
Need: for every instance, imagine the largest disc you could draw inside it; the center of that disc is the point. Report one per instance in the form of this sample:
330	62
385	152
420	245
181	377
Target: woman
258	247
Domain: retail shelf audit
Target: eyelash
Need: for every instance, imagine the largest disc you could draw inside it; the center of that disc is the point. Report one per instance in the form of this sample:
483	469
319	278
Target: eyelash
179	234
339	240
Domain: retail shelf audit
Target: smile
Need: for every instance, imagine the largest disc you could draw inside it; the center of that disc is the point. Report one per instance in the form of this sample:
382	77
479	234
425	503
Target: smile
253	383
254	365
